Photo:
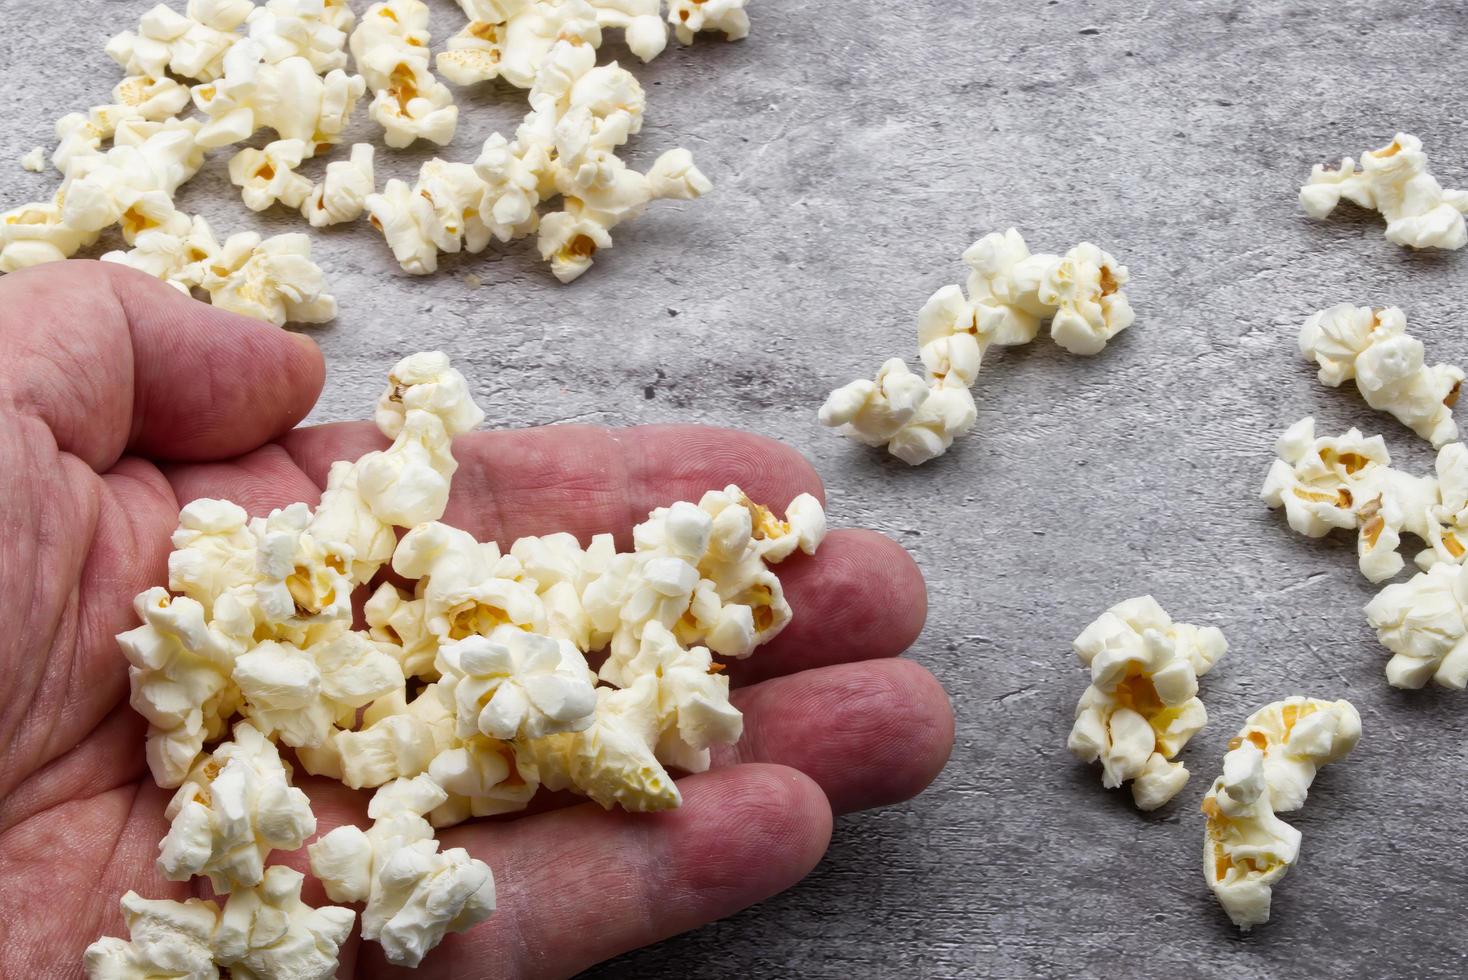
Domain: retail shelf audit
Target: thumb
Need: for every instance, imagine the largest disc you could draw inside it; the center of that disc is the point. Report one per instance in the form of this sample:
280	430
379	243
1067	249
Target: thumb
113	361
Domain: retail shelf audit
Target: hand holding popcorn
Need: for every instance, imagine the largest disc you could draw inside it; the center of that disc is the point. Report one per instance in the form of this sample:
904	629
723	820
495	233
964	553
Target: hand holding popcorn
216	388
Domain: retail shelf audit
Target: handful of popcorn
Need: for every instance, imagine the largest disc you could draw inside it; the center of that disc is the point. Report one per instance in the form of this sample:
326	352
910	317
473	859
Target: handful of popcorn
1010	292
464	694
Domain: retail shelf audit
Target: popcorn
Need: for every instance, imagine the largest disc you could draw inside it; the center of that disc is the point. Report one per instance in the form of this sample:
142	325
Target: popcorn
1010	291
191	46
414	894
692	706
310	29
180	679
689	17
612	762
511	40
1394	180
270	279
1373	347
147	97
391	49
35	234
1348	482
1423	623
169	939
515	685
177	259
269	932
269	176
397	739
35	160
645	33
342	195
299	694
288	97
236	806
1085	288
1142	706
467	587
1296	737
1447	525
1247	850
483	777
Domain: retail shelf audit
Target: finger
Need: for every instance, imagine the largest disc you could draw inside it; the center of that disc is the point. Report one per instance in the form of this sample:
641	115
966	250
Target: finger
582	885
869	734
861	597
112	360
260	482
582	479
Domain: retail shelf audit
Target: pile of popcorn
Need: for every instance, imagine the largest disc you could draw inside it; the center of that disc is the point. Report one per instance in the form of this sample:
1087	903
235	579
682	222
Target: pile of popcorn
1010	293
282	67
1394	180
467	691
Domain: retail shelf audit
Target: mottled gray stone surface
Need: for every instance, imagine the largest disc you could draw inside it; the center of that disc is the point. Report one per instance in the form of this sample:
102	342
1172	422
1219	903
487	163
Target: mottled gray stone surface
858	147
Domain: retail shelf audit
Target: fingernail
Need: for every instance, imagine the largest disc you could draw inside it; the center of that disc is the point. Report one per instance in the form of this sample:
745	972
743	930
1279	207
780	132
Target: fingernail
303	340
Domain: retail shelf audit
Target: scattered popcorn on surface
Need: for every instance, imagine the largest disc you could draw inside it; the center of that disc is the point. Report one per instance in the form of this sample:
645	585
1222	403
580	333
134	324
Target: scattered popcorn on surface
1268	769
1394	180
289	98
1142	705
1348	482
391	50
1373	348
502	702
415	894
35	160
269	176
1010	292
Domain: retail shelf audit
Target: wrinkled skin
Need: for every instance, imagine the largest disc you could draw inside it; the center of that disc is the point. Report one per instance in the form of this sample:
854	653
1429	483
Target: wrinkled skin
121	400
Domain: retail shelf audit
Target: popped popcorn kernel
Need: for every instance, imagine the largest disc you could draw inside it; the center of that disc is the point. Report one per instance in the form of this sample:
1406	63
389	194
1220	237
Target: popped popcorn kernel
1394	180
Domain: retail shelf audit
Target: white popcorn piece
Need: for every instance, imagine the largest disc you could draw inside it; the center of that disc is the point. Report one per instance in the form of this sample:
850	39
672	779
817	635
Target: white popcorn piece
390	46
312	29
169	939
1296	737
560	570
35	160
236	806
1010	292
414	893
515	685
510	40
398	739
154	99
214	552
267	177
1085	287
270	279
1247	850
191	45
640	21
268	931
1447	526
689	17
1348	482
613	761
35	234
693	709
342	194
1374	348
483	777
467	587
1394	180
288	97
133	183
177	259
1142	706
300	694
1423	622
180	677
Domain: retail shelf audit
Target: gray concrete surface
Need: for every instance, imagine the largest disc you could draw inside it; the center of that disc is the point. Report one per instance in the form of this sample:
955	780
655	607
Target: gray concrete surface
858	147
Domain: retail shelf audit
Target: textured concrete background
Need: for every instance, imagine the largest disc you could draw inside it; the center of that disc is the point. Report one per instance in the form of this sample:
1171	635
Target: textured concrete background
858	147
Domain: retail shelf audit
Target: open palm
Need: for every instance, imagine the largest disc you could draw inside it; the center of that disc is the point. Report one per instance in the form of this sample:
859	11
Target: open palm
121	400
